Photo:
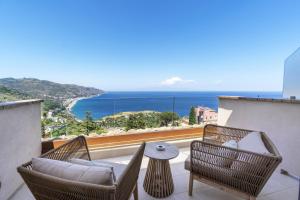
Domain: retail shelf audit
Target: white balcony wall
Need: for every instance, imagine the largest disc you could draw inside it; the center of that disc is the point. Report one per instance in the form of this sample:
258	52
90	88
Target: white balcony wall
20	140
280	119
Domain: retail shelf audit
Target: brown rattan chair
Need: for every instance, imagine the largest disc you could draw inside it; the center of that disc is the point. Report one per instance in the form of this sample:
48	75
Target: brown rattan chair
45	187
250	174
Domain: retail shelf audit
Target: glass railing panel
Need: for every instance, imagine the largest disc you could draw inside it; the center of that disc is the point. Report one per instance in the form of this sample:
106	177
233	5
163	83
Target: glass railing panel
112	116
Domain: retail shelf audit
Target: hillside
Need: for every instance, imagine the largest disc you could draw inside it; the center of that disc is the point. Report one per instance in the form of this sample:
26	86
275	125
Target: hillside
11	94
42	89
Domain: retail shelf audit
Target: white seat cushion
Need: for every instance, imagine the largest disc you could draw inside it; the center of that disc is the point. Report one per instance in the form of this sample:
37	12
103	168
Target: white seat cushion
118	168
75	172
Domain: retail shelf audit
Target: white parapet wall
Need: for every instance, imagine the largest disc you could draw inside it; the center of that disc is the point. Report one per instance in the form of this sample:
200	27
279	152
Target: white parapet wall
279	118
20	140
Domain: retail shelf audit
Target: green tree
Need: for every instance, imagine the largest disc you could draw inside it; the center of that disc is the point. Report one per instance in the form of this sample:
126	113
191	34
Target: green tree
168	117
192	117
44	114
43	129
89	123
51	105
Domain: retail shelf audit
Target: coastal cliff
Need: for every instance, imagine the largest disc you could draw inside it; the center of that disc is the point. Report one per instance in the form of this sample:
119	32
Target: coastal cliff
53	94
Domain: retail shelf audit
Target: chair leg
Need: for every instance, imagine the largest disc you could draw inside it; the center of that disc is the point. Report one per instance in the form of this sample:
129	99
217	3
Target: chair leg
191	182
135	192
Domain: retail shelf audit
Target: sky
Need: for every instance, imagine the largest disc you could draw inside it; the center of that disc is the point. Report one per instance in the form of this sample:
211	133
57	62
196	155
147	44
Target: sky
145	45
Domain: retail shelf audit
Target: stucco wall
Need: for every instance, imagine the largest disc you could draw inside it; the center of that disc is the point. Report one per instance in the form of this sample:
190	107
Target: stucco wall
279	119
20	140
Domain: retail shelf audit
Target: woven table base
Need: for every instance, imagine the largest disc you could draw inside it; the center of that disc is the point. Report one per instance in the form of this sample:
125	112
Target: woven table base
158	180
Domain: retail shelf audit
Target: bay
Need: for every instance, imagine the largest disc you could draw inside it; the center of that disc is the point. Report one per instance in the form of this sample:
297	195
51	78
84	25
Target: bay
111	103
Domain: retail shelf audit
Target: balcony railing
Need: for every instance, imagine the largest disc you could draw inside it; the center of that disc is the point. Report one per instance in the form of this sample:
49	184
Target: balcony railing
116	122
105	142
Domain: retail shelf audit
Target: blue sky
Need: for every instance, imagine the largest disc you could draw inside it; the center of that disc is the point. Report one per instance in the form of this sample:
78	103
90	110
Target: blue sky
150	44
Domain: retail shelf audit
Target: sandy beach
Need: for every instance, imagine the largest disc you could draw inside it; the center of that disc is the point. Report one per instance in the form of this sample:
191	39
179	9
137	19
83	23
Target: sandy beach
70	103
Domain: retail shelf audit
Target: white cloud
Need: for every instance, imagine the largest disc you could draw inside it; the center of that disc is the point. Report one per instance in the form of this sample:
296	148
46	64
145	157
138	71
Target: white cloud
175	81
218	82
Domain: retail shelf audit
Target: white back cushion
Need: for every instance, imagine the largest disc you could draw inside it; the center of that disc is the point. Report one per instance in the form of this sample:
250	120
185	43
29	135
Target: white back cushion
231	143
75	172
243	165
92	163
253	142
232	155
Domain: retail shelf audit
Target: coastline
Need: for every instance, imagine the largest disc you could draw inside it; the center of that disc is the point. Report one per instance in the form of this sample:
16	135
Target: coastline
70	103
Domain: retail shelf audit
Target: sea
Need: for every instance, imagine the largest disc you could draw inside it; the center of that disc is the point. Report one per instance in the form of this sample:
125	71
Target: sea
110	103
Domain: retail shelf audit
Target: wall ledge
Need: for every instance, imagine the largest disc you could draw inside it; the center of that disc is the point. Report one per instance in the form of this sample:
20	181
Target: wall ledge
291	101
14	104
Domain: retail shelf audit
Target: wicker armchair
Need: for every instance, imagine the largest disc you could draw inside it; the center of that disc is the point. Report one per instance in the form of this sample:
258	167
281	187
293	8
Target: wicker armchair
249	174
48	187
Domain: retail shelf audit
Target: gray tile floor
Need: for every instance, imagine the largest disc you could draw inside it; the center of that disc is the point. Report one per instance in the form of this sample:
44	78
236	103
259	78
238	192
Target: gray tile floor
279	187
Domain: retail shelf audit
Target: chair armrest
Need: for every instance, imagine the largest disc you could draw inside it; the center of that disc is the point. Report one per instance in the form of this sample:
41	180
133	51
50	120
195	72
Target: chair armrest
76	148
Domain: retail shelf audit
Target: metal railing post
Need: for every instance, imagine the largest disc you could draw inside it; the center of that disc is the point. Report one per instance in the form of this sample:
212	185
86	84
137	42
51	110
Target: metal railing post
114	112
173	111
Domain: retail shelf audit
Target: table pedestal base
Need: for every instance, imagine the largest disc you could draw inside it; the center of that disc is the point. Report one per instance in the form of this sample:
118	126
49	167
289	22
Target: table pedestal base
158	180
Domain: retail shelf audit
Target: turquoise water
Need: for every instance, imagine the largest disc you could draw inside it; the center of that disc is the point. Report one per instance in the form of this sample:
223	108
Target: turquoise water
114	102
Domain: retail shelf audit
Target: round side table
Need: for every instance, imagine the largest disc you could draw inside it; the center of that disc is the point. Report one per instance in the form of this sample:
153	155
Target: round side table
158	181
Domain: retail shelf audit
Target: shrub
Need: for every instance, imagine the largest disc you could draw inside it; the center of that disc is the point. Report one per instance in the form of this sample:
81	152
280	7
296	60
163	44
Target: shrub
152	120
136	121
168	117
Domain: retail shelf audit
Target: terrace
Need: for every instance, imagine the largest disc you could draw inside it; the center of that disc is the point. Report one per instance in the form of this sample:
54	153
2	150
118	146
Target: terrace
279	186
21	141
